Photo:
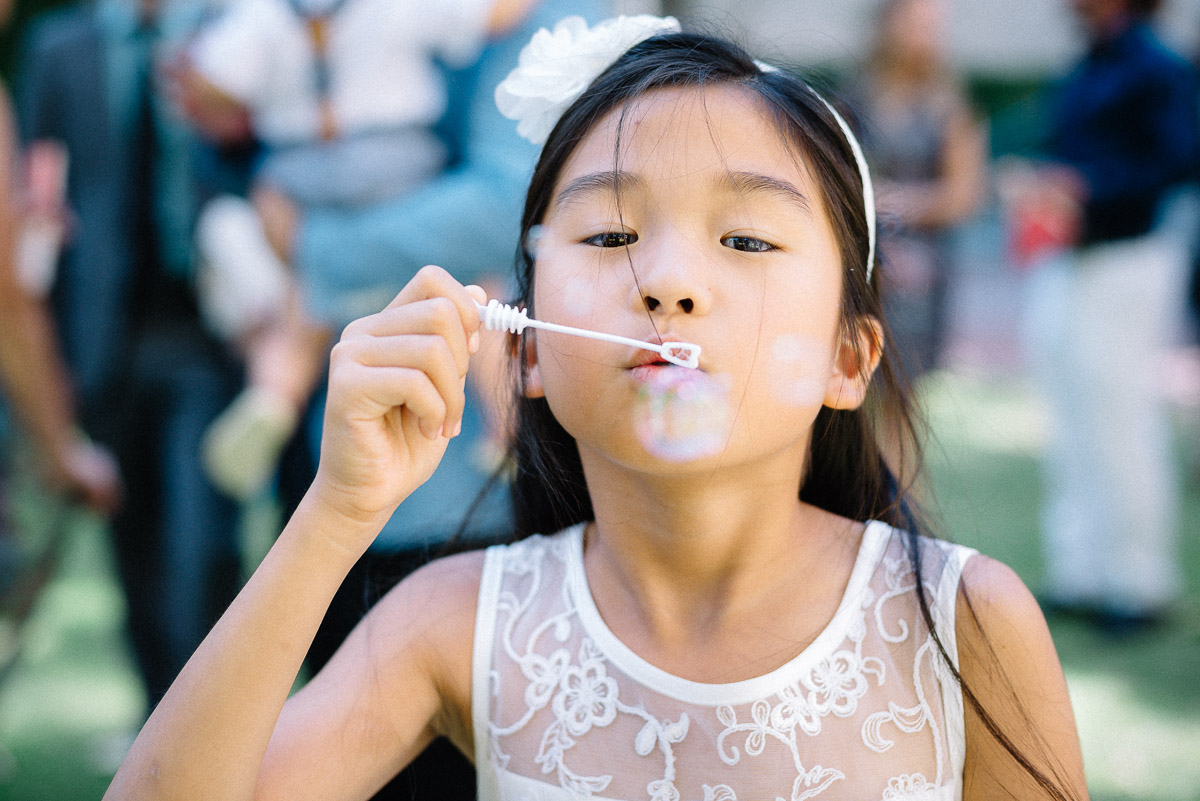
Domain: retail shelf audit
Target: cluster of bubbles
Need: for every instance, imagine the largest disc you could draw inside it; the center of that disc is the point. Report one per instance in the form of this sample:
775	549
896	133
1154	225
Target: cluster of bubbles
682	415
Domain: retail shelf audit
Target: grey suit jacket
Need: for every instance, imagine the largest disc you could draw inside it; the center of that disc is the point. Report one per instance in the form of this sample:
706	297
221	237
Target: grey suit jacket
78	86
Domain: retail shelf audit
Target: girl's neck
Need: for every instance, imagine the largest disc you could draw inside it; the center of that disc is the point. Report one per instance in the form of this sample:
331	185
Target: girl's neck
685	556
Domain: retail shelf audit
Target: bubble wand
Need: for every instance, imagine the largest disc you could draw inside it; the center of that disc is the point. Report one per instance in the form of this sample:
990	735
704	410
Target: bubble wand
497	316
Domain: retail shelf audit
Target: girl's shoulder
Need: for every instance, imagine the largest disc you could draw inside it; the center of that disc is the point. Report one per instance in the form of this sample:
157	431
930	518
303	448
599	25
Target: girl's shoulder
992	603
421	633
531	551
995	602
939	559
445	588
1008	660
442	597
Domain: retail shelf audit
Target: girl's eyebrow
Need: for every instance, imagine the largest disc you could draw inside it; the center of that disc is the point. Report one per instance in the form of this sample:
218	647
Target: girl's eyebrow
753	183
611	182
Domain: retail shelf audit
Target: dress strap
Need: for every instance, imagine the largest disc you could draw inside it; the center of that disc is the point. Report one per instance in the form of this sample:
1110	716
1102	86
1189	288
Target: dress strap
944	611
482	666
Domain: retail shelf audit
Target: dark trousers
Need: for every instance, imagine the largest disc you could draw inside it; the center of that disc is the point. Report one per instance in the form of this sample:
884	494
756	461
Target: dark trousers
176	537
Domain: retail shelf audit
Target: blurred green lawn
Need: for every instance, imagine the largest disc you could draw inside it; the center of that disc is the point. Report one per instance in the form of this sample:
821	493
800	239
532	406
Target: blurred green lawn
68	708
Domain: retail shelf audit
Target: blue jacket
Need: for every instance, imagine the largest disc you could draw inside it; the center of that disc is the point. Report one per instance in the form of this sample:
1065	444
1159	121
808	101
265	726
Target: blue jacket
1126	119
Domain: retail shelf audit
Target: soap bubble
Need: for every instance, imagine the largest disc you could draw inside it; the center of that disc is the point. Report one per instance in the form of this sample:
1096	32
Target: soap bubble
796	362
533	240
683	414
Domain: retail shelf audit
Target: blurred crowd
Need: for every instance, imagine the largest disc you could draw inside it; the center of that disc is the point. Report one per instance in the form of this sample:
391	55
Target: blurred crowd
195	198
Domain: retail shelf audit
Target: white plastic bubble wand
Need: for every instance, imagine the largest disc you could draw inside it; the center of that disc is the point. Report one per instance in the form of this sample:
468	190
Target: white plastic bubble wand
497	316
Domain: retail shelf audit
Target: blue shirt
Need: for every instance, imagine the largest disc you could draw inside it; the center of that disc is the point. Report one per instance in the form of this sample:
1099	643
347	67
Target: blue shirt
1126	119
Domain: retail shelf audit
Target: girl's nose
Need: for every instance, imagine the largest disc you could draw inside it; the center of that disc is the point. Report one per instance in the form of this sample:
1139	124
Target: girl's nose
654	304
670	287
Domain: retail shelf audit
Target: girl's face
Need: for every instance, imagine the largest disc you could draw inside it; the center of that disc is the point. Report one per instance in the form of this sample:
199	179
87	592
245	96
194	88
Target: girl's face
709	230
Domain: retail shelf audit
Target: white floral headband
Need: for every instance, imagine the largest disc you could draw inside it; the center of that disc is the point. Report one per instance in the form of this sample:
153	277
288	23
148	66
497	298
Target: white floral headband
556	67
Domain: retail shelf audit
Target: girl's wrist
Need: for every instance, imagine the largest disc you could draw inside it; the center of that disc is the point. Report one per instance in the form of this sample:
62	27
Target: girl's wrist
325	514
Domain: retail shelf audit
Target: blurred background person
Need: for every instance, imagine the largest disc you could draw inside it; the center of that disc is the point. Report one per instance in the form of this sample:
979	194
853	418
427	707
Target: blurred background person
32	377
343	95
147	378
1124	138
928	155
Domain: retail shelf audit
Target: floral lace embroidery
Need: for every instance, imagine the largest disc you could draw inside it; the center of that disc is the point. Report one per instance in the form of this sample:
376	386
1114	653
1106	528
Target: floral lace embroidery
910	787
834	686
581	695
900	579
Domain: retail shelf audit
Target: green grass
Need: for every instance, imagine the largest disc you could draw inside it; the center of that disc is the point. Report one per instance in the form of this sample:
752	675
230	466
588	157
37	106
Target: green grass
1137	701
72	701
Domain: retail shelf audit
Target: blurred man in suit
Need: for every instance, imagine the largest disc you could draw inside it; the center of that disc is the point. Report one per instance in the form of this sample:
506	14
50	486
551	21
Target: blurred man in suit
148	379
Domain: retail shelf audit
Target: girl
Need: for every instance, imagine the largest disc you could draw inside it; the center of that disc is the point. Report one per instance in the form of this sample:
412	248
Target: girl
727	612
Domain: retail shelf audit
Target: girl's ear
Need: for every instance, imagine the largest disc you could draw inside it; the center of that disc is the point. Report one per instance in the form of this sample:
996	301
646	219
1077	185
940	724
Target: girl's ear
530	372
854	365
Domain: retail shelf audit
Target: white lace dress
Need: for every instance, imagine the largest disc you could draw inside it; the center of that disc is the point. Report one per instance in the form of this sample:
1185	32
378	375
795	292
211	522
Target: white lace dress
564	710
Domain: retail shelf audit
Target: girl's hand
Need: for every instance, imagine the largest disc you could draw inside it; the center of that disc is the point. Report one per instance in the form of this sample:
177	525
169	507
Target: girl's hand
396	396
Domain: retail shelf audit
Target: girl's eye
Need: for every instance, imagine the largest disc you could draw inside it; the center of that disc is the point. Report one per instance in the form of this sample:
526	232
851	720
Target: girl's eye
747	244
612	239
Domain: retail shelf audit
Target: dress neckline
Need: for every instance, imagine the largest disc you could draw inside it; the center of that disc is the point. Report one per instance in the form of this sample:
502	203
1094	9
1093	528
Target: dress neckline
870	550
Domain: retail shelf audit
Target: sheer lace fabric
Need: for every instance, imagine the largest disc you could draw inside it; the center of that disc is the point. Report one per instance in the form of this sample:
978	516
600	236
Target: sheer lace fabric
564	710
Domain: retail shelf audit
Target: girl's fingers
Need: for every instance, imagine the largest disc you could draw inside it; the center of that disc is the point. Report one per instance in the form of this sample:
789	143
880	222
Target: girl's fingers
436	316
429	354
434	282
406	388
415	350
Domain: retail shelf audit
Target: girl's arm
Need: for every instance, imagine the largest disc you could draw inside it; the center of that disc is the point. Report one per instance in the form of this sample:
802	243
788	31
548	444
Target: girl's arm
395	396
1008	662
402	677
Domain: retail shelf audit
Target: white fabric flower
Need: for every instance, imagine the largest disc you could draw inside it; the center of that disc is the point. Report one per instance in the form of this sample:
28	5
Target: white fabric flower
910	787
836	683
587	696
556	66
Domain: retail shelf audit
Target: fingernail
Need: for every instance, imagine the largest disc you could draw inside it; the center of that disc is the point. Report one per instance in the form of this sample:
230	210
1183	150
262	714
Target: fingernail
473	342
457	429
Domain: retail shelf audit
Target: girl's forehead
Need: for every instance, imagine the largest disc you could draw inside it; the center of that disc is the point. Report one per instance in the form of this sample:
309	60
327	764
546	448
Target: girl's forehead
684	134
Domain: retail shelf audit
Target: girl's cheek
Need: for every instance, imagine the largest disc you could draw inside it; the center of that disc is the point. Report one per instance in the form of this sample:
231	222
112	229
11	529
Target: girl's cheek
797	370
578	295
681	415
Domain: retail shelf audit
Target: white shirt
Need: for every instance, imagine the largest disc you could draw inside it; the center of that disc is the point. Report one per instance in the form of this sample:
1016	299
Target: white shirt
564	711
379	54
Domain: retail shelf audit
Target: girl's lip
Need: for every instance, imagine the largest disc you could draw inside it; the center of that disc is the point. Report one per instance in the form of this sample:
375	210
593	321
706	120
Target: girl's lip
648	358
